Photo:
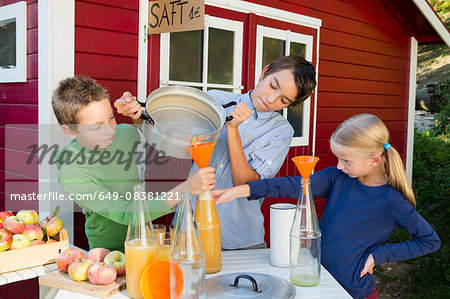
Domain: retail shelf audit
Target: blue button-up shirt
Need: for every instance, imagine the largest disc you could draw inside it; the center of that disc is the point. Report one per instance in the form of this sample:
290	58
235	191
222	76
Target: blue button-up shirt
265	137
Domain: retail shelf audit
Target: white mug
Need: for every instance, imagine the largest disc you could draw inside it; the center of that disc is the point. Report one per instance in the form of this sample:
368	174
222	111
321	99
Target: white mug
281	218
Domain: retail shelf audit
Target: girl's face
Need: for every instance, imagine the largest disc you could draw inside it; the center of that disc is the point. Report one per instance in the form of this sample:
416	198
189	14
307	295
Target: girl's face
351	161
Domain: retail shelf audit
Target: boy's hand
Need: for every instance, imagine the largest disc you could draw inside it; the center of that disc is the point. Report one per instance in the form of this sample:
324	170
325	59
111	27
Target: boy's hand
226	195
128	105
368	267
202	180
240	114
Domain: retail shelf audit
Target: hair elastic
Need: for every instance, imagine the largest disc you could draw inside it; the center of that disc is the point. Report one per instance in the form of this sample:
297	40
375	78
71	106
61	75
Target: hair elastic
387	146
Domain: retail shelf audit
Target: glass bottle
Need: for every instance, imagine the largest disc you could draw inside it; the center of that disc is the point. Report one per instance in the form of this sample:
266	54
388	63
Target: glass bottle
305	238
209	229
140	243
187	254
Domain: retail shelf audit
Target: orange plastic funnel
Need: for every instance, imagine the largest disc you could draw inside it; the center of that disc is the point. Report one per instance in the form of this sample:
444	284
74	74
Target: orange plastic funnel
305	164
201	153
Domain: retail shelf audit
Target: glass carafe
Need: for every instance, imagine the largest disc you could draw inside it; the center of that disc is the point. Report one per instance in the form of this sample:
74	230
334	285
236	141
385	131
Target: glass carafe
140	244
187	254
305	237
208	225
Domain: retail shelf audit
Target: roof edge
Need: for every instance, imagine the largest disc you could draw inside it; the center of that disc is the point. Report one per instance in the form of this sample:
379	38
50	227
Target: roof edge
434	20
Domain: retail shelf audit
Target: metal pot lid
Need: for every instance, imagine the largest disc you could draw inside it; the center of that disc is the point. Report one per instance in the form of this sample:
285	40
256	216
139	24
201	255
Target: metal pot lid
248	285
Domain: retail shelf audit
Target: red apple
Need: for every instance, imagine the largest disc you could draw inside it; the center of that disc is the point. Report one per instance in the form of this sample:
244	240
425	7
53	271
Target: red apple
78	269
4	215
28	216
1	224
117	259
51	241
33	232
14	224
19	241
97	254
6	239
101	273
36	243
68	256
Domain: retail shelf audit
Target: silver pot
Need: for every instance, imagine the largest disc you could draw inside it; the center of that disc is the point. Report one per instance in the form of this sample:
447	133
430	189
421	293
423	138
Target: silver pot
178	116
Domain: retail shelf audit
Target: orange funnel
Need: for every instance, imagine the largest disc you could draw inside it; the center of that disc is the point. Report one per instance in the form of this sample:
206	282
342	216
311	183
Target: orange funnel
201	153
305	164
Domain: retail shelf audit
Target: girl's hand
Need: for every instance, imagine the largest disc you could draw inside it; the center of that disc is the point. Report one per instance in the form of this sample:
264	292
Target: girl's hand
226	195
128	105
202	180
368	267
239	114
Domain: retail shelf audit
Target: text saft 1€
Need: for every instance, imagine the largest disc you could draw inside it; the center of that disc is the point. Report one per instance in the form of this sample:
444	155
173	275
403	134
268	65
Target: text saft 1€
175	15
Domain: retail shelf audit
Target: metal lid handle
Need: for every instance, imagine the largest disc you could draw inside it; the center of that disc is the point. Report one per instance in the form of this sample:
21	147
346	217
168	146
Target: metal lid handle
253	281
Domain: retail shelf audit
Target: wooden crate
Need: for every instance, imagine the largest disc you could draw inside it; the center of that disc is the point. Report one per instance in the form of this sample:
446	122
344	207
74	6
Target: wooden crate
18	259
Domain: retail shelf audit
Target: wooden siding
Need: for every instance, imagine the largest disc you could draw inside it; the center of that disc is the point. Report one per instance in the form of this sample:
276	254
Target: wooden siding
18	130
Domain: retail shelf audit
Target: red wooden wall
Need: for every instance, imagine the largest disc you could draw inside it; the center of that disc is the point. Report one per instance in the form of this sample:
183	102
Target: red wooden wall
18	129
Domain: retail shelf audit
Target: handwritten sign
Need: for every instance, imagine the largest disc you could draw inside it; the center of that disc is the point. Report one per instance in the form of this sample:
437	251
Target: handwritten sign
175	15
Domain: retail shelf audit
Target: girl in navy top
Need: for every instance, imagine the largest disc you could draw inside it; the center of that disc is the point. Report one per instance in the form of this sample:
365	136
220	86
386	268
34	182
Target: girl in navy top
368	197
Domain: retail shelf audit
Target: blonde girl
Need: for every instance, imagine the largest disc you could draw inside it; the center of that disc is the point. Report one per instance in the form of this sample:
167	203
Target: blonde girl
368	197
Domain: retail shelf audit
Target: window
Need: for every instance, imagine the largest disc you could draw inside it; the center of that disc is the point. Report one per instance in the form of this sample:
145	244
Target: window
215	56
13	49
272	43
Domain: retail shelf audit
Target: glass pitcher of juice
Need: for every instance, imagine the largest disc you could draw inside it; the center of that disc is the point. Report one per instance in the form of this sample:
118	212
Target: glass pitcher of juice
140	244
208	225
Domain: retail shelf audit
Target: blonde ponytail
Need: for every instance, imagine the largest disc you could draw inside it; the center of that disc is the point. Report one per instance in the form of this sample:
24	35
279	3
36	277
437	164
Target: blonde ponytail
368	134
396	175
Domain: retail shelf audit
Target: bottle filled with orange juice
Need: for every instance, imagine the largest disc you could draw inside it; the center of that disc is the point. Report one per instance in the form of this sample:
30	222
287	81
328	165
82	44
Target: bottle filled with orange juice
141	247
208	225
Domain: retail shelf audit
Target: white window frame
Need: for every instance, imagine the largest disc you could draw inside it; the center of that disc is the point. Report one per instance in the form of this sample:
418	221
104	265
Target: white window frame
288	37
210	22
19	12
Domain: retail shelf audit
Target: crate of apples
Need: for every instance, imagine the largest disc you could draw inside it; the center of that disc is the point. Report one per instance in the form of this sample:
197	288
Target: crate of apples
21	234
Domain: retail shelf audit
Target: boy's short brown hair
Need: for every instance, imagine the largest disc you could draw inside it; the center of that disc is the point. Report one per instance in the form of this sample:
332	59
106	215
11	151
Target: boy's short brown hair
74	93
303	72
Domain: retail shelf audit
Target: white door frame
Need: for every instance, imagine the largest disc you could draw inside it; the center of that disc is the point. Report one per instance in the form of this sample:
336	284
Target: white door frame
56	52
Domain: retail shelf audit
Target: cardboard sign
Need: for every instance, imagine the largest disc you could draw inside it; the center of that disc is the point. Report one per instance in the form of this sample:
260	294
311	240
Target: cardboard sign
175	15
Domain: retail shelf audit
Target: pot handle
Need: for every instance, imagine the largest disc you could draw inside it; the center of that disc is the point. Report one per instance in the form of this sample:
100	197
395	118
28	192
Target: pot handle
253	281
145	115
232	103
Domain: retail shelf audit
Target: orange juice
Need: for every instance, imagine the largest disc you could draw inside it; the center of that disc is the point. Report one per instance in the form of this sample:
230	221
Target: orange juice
164	251
160	232
138	253
208	225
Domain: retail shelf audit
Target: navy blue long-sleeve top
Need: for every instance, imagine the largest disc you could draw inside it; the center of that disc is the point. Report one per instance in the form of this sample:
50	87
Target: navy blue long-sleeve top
356	221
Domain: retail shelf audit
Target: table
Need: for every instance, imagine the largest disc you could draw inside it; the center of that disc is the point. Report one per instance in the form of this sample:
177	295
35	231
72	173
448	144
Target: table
248	261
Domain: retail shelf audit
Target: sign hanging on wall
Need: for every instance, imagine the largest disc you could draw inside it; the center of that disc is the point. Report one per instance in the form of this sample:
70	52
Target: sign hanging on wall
175	15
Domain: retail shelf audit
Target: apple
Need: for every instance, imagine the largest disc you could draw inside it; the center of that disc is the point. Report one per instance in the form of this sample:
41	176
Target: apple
4	215
36	242
52	225
117	259
14	224
97	254
68	256
19	241
6	239
101	273
1	224
51	241
28	216
33	232
78	269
